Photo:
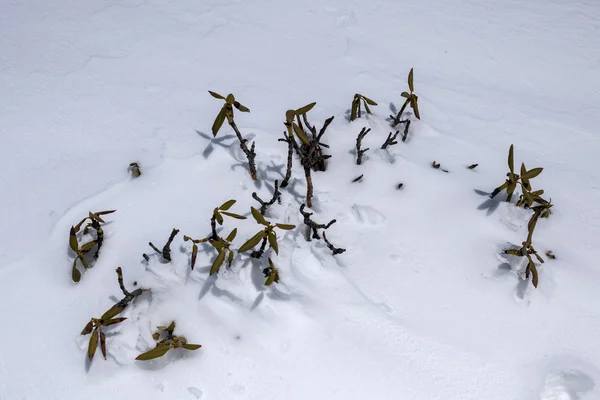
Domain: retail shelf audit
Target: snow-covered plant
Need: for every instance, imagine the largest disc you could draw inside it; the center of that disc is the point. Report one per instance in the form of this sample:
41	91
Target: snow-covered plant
357	102
95	221
165	253
224	251
227	113
167	343
135	169
527	251
96	325
266	235
412	100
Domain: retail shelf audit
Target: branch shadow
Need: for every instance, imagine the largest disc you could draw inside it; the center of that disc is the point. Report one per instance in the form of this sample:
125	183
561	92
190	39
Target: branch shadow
214	141
490	205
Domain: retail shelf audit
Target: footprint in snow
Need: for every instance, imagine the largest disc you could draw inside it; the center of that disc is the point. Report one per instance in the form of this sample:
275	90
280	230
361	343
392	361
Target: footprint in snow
567	385
194	391
367	215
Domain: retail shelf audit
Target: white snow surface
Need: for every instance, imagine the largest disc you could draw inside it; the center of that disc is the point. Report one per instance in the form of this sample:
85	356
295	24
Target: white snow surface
420	306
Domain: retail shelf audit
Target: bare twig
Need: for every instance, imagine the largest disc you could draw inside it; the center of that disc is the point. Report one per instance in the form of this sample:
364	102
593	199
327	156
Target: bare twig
334	250
166	251
264	205
390	141
250	153
358	178
359	151
312	225
288	171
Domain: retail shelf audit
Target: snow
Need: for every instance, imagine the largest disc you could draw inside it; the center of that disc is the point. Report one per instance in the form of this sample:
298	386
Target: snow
420	306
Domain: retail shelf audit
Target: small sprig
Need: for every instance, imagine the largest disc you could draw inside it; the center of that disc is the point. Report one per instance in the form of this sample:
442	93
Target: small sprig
195	243
224	251
166	250
95	221
360	152
264	205
164	345
356	111
266	235
227	113
271	273
217	217
96	325
135	170
412	100
527	251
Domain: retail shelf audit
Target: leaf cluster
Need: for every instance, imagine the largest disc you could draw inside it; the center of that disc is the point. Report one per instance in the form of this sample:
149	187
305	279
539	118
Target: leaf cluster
95	223
267	235
226	111
412	100
169	342
357	103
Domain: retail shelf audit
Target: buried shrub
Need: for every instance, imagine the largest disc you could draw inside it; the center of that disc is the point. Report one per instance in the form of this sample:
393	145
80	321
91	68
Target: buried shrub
264	205
170	341
95	221
266	235
165	253
313	227
412	100
360	152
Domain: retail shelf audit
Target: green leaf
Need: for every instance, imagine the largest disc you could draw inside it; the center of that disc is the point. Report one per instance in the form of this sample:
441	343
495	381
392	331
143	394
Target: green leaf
301	135
289	116
159	351
103	344
354	110
191	346
75	274
232	215
218	217
511	161
88	246
252	242
171	328
231	235
73	240
218	122
105	212
240	107
367	108
216	95
369	101
305	109
88	328
194	255
227	205
113	321
230	258
285	227
273	242
259	217
405	95
217	244
532	173
112	312
230	99
534	274
93	344
410	81
218	262
415	106
156	336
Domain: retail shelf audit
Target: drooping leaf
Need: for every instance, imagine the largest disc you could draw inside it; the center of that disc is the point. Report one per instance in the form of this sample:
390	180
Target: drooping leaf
227	205
88	328
218	262
367	108
410	81
160	350
232	215
252	242
171	327
216	95
73	240
534	273
93	344
217	244
218	217
273	241
305	109
511	162
232	235
415	106
259	217
103	344
105	212
112	312
354	110
218	122
289	116
285	227
78	226
405	95
194	255
369	101
230	258
191	346
88	246
75	274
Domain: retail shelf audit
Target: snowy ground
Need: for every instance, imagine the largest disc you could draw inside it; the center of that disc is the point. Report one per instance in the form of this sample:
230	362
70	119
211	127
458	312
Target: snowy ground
420	306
